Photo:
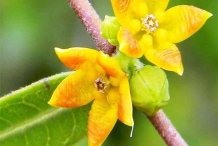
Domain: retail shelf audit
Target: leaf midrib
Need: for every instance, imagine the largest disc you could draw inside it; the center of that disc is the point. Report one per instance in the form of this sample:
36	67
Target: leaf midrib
37	119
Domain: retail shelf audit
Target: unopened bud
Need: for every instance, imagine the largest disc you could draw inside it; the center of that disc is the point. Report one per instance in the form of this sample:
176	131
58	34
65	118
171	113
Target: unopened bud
149	89
109	29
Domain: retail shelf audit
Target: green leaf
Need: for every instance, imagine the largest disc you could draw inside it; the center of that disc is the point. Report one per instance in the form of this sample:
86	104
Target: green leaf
27	119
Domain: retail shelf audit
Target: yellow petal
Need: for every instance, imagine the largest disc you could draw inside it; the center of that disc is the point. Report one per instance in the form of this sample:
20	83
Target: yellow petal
125	10
74	91
129	13
146	41
128	44
134	26
140	8
115	81
102	119
75	57
168	59
125	103
122	10
156	5
110	65
113	95
183	21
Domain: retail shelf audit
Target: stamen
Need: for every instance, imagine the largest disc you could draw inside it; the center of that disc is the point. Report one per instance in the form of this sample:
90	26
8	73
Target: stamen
100	85
151	22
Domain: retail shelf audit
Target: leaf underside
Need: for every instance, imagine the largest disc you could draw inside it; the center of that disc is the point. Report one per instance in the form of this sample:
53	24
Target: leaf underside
27	119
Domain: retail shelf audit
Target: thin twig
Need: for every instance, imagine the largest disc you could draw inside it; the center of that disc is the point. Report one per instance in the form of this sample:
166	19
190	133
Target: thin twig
167	131
92	23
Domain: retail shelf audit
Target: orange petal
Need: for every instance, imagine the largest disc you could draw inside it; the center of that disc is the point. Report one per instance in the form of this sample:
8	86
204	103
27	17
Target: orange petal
183	21
125	103
168	59
102	119
110	65
75	90
128	44
75	57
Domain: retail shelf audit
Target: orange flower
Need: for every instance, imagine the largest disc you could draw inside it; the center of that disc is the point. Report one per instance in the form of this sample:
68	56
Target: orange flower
146	28
94	79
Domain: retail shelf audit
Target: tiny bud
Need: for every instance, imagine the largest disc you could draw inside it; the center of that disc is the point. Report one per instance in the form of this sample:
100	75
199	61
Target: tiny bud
109	29
149	89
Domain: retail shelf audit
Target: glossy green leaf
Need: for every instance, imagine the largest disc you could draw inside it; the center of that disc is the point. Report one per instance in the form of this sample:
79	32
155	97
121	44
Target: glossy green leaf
27	119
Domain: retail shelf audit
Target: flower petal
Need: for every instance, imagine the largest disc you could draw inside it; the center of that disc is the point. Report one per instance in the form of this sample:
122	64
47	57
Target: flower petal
156	5
127	10
75	57
128	44
110	65
102	119
183	21
168	59
75	90
125	103
122	10
129	13
113	95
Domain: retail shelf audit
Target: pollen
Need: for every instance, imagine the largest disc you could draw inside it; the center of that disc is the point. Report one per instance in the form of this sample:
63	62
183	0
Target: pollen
150	23
101	85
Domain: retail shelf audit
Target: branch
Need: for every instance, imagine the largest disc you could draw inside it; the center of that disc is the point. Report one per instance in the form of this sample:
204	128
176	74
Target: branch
92	23
167	131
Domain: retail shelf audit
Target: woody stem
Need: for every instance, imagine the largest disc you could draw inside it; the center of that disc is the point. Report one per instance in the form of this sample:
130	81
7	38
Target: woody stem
165	128
92	23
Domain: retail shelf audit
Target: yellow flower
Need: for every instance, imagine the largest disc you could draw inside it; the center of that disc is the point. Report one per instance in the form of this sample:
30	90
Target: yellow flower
146	28
97	77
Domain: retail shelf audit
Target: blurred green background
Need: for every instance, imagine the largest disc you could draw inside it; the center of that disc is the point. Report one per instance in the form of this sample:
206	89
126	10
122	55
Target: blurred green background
29	30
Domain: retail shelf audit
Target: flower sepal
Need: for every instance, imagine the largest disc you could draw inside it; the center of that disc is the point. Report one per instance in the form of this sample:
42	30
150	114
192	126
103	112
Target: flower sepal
128	64
149	89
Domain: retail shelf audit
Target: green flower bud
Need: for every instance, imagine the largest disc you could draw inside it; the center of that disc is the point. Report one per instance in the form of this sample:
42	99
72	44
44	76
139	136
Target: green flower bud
149	89
128	64
109	29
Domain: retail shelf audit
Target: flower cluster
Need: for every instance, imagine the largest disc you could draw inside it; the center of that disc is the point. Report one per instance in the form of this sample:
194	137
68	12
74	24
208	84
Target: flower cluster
113	83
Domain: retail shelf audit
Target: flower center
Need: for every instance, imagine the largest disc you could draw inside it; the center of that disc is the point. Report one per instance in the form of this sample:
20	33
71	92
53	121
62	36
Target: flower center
101	85
151	23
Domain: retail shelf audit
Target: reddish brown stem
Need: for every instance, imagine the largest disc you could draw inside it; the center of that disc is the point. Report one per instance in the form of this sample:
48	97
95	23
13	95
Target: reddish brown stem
92	23
167	131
